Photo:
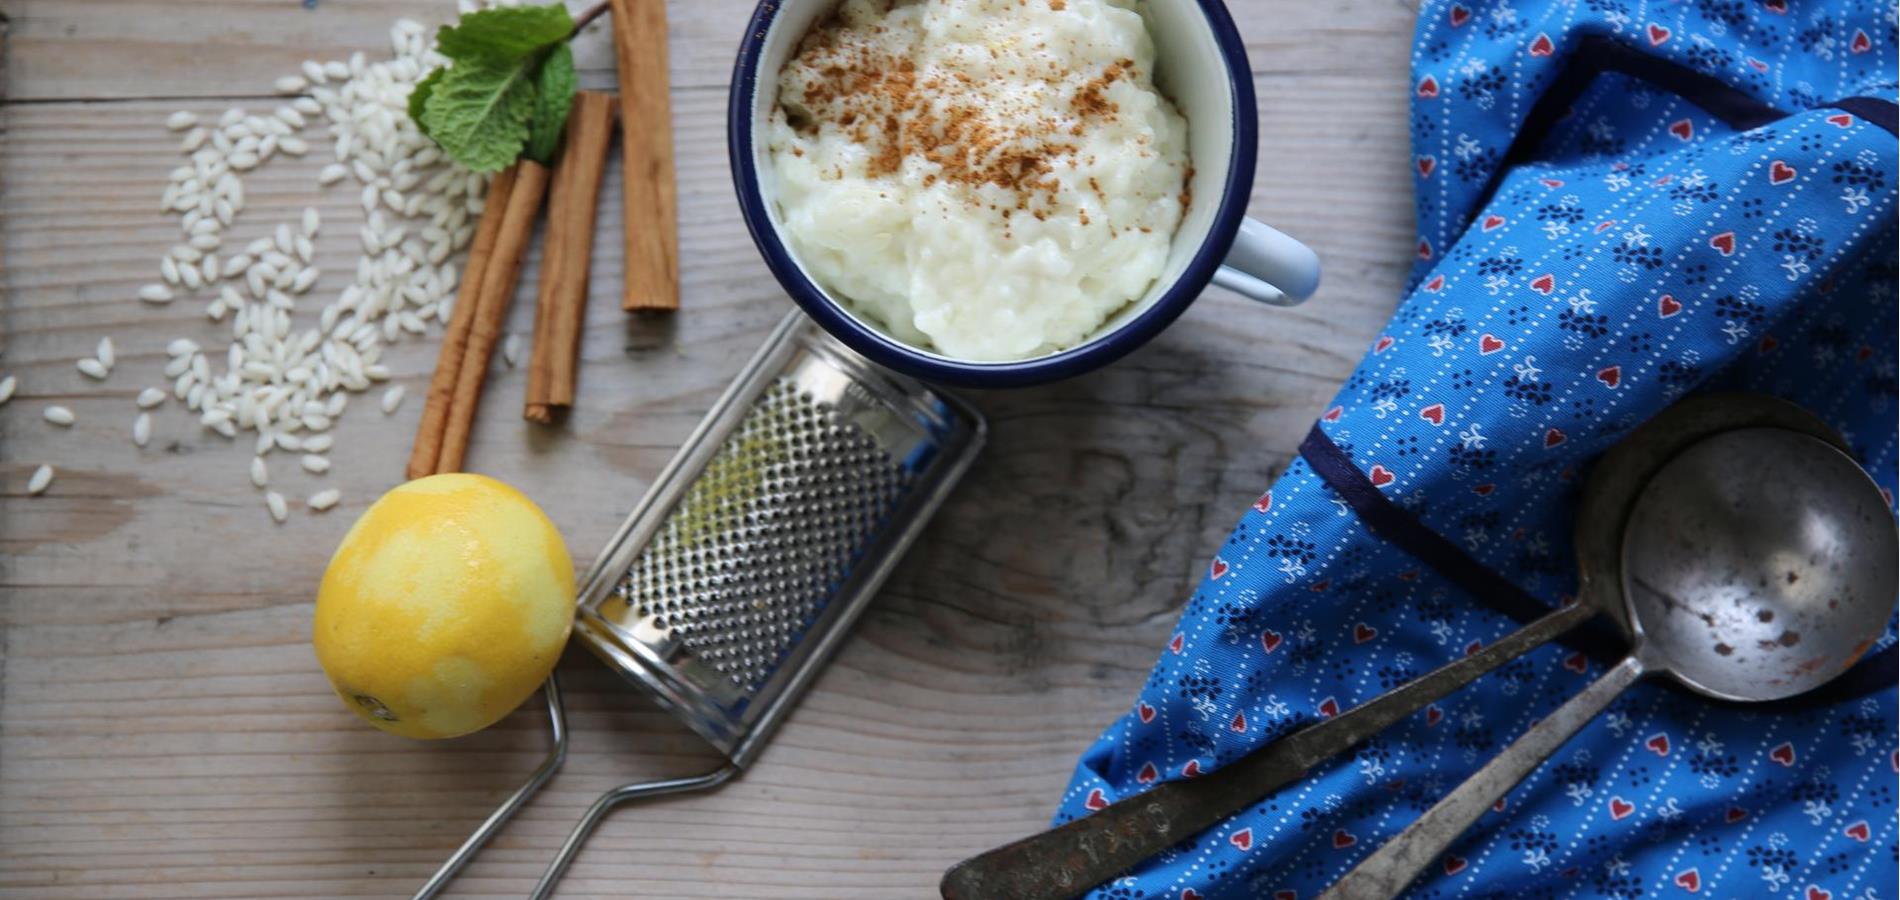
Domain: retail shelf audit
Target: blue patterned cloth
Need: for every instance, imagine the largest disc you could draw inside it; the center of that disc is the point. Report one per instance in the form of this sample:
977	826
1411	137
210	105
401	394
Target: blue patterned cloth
1619	203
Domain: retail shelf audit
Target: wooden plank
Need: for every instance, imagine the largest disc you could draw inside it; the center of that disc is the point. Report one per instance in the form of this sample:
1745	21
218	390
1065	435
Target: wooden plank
164	730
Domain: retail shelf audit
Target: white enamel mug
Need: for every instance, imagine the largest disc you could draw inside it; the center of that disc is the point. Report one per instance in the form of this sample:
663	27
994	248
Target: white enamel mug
1200	64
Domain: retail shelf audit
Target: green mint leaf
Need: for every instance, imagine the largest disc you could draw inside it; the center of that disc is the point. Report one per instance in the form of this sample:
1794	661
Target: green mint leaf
478	112
419	98
504	34
553	97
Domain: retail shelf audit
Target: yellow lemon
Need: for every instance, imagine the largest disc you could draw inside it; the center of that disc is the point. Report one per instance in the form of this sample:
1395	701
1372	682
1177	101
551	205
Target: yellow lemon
447	603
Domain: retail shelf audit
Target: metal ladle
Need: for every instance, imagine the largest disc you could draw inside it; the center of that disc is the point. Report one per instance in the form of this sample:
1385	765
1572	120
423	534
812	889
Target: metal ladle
1066	861
1757	565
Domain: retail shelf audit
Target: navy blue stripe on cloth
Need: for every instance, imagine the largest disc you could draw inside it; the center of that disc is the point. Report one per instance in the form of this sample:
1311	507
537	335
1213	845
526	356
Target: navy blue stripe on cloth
1873	109
1597	54
1599	639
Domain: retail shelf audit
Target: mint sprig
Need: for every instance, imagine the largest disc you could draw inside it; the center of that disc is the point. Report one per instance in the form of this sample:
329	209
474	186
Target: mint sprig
507	89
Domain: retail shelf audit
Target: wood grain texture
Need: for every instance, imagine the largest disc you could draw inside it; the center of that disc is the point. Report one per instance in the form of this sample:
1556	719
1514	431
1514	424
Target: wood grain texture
164	728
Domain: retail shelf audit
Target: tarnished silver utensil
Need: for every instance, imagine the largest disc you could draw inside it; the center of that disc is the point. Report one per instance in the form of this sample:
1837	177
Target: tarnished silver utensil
1066	861
1757	565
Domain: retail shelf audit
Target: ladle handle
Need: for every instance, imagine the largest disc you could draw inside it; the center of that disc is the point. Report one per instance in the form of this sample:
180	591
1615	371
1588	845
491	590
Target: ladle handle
1387	871
1065	862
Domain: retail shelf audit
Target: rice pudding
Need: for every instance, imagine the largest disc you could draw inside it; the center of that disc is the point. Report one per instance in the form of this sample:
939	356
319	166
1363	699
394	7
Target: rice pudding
990	179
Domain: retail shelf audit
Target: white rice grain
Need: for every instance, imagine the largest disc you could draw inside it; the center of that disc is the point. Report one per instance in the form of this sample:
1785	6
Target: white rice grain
59	415
106	353
142	428
290	84
7	386
93	369
324	499
392	398
42	478
315	464
155	293
274	502
260	475
149	398
181	120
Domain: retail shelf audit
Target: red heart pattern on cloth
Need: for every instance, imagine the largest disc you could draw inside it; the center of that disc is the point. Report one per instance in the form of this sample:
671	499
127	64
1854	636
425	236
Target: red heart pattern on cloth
1858	831
1542	46
1816	893
1484	490
1734	814
1328	708
1472	648
1436	284
1724	242
1265	503
1861	43
1840	120
1096	800
1190	894
1778	7
1434	414
1491	222
1455	864
1552	183
1759	65
1148	774
1658	744
1192	769
1459	15
1667	306
1332	415
1683	129
1343	839
1428	87
1362	633
1426	165
1553	437
1658	35
1620	809
1780	172
1766	343
1611	376
1383	344
1242	839
1217	568
1783	754
1544	284
1270	640
1380	475
1177	643
1424	249
1433	716
1238	725
1146	712
1489	344
1689	880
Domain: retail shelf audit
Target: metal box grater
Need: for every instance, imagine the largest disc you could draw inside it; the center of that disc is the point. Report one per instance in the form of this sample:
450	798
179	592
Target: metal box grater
744	565
765	536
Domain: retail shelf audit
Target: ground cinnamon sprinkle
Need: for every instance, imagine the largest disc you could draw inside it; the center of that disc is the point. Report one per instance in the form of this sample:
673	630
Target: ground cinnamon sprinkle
875	97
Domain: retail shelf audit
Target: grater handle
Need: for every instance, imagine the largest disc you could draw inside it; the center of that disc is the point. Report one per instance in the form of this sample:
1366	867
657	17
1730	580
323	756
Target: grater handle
557	723
607	801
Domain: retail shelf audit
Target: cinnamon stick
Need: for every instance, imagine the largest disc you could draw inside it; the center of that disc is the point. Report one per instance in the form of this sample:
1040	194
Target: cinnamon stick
647	153
496	294
566	251
448	362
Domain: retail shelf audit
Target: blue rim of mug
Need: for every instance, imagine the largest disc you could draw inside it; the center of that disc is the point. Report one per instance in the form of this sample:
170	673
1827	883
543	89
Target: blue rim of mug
894	354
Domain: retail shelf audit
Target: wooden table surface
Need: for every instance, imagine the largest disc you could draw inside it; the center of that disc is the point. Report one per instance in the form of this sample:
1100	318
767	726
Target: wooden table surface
164	728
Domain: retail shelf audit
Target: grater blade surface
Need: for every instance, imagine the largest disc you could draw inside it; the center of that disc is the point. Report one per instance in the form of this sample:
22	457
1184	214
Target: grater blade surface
757	547
773	523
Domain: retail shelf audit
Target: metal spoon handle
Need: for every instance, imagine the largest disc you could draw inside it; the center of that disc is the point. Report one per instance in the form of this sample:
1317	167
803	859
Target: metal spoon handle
1388	870
1065	862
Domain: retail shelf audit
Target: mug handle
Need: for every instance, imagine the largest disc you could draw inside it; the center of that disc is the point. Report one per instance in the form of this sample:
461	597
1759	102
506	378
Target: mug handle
1266	265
